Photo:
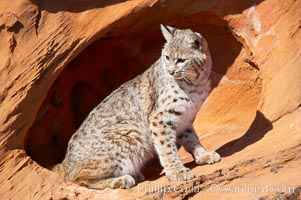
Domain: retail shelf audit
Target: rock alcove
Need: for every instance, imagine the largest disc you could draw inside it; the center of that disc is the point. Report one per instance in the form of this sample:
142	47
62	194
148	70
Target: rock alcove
107	63
59	60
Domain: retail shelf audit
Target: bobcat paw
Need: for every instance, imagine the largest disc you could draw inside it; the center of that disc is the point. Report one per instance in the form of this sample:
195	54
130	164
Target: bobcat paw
179	174
123	182
207	158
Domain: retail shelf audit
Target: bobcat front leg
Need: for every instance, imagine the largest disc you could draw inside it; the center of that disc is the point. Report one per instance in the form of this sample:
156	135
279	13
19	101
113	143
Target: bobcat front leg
191	143
164	136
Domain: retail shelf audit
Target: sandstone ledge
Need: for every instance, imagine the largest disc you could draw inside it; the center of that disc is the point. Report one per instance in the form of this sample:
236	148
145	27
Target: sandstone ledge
252	116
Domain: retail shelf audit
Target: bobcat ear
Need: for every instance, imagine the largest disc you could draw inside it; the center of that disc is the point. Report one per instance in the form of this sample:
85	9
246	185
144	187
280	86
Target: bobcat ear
196	41
168	32
196	44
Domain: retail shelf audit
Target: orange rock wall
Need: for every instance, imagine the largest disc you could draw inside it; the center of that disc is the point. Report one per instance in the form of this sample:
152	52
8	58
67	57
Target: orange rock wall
57	61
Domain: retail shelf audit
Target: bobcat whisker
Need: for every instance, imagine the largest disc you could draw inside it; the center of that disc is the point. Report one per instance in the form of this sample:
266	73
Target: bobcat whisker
187	81
190	79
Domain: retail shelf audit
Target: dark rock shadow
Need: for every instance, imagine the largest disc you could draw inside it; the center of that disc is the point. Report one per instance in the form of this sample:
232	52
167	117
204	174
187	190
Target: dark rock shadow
153	170
259	127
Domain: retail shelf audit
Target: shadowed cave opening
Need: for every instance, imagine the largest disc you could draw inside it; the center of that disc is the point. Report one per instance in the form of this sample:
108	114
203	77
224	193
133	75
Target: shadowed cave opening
102	67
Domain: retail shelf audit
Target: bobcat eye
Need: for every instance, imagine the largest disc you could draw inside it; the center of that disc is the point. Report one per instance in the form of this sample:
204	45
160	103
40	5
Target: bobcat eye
167	57
180	60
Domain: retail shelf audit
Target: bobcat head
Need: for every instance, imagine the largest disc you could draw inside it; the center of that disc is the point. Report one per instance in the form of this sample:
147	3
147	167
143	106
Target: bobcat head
185	54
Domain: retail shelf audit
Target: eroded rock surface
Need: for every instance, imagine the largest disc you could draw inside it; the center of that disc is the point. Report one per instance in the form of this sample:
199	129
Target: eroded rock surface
58	60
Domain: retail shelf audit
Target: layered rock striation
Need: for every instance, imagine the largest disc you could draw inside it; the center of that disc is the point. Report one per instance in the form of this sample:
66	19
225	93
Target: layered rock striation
59	60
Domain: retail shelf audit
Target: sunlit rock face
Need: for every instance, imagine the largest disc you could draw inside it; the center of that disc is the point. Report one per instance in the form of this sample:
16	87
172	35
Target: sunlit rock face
58	61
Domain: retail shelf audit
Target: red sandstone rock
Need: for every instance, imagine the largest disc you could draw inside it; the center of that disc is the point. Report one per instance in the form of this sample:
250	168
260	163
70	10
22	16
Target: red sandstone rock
58	60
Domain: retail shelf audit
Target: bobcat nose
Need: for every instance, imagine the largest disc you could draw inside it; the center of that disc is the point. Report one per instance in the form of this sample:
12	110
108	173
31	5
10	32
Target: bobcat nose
171	71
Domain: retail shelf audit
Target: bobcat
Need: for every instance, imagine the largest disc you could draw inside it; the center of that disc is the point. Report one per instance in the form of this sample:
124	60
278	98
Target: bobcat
147	115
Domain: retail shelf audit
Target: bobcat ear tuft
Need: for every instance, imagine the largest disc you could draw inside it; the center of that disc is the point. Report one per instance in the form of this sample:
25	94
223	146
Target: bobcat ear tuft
168	32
